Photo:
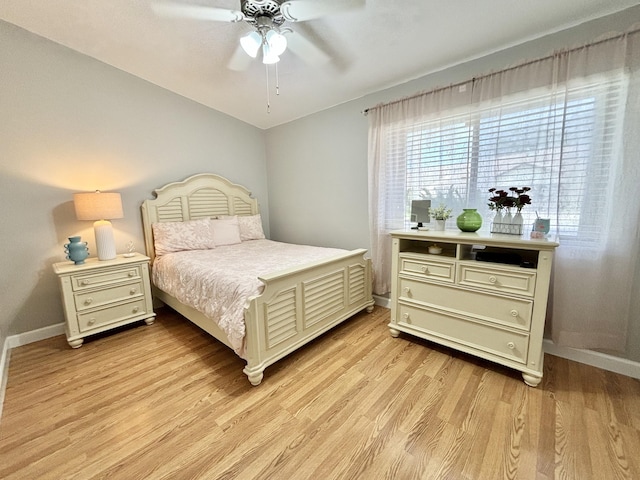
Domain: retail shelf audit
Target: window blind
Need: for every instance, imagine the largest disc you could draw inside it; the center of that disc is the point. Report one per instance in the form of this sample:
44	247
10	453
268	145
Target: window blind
558	141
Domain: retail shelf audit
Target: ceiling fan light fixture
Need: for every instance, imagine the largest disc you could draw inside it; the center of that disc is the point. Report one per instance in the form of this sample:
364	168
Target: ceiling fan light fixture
251	43
276	41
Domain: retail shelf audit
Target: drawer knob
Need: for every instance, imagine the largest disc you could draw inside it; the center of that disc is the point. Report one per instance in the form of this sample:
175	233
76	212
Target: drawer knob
492	279
511	345
88	301
405	316
407	290
135	309
133	291
514	313
84	282
131	274
91	321
425	269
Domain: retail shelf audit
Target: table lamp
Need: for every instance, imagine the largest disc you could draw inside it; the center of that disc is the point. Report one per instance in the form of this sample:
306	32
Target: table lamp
102	207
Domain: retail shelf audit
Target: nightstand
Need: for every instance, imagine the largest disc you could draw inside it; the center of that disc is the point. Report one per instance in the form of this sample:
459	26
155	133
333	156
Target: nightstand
101	295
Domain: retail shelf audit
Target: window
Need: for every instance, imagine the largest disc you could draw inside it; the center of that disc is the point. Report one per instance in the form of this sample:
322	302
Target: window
557	143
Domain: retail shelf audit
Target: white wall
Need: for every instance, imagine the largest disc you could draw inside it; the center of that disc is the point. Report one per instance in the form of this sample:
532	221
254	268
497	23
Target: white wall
317	166
317	173
70	123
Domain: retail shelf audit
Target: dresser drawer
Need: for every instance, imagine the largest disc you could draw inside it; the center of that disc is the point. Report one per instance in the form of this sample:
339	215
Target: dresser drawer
493	340
517	281
434	270
105	277
104	296
509	311
97	318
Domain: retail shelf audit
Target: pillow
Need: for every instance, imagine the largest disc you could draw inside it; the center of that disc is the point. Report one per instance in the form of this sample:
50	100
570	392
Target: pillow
251	227
226	231
178	236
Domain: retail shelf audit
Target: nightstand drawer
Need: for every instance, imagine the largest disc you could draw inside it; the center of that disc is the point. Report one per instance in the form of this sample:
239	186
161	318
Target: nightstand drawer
517	281
508	311
97	298
504	343
105	277
442	271
97	318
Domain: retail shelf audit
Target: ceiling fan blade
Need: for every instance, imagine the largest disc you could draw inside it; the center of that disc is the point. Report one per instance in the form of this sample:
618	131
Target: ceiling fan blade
197	12
306	50
239	61
302	10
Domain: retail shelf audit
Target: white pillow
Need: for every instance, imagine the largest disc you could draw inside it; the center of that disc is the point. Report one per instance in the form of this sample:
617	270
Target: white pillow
226	231
250	227
171	237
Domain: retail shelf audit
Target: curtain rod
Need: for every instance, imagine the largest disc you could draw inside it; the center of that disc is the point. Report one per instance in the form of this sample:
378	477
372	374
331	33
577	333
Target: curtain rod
514	67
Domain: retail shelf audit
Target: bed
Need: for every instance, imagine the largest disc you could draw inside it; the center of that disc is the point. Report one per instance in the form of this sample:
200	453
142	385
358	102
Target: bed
295	304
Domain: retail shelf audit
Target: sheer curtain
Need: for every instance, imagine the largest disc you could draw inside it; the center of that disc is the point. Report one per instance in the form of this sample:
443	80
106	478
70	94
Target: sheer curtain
568	126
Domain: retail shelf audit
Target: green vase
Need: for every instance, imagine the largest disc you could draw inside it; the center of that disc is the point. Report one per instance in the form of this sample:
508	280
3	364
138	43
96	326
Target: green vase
469	220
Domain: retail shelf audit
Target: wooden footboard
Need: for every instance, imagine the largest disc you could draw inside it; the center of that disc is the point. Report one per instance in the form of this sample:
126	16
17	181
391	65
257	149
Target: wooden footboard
296	306
299	304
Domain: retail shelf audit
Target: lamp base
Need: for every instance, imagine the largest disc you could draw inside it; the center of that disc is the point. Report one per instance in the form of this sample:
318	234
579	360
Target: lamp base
105	243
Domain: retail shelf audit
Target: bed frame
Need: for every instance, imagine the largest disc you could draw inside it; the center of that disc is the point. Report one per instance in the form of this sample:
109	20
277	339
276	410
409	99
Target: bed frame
297	304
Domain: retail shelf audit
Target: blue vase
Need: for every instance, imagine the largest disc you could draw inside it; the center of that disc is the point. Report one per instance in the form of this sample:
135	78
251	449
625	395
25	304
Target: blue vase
76	250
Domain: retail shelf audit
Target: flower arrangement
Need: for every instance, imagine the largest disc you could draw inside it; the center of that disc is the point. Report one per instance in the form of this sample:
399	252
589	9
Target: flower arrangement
441	212
500	199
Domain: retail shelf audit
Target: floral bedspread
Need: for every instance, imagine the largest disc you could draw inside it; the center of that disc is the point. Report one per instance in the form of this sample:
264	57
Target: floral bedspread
220	282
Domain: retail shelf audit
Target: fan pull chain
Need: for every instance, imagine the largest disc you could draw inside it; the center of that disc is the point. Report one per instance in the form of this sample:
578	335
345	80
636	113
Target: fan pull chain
266	69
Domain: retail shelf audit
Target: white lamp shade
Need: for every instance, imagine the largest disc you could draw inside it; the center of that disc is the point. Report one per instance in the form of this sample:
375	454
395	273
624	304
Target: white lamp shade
268	57
277	42
98	206
251	43
101	207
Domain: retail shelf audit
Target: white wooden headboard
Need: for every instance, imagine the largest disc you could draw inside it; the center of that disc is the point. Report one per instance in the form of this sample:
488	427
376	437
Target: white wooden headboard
201	195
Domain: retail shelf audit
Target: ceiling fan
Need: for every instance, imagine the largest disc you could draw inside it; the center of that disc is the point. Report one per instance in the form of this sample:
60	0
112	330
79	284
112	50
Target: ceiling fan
270	36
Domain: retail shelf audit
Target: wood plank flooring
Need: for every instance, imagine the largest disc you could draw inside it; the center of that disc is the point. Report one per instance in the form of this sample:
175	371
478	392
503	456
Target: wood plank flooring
168	402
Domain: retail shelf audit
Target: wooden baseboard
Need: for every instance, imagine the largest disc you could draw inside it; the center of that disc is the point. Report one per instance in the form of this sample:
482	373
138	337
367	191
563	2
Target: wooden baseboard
595	359
4	371
43	333
382	301
13	341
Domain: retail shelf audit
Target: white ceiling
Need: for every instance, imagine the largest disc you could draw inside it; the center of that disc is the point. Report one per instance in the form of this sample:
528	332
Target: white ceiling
385	43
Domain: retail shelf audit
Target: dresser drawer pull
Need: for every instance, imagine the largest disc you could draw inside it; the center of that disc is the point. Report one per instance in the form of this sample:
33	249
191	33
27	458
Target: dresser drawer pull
132	274
405	316
493	279
88	301
84	282
407	290
425	269
135	310
91	321
511	345
514	313
133	291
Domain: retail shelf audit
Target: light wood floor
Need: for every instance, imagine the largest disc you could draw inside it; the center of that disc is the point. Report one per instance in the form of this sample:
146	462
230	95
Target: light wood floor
168	402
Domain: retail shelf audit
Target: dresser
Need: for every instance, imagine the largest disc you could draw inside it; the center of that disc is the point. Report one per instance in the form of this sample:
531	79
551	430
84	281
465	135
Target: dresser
481	293
101	295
